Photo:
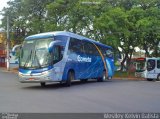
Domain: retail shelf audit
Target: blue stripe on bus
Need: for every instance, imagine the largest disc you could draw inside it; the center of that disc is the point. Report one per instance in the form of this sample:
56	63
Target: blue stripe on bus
110	66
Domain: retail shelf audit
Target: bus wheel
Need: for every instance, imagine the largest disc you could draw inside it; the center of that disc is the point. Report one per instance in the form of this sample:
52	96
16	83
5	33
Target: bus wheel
149	79
43	84
103	78
70	77
158	77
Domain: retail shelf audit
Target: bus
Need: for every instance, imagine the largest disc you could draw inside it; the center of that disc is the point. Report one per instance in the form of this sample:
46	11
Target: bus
63	57
149	68
139	64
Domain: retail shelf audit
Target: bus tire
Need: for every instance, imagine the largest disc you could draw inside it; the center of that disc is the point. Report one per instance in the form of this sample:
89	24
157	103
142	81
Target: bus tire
70	77
158	77
43	84
103	78
149	79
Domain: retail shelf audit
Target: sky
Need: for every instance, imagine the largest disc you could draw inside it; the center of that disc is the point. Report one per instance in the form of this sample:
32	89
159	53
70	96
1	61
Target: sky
3	4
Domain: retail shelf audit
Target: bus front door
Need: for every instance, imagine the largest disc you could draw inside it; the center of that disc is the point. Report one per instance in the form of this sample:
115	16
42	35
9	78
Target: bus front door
151	69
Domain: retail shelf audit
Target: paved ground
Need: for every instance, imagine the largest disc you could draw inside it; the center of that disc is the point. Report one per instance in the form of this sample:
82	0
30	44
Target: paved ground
13	66
110	96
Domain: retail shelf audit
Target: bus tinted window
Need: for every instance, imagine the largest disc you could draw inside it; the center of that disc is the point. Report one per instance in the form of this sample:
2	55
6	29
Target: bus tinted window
103	50
75	45
109	53
158	64
151	64
89	48
61	38
106	52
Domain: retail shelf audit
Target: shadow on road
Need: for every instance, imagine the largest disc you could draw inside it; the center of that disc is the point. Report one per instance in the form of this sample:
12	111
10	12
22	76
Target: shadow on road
57	85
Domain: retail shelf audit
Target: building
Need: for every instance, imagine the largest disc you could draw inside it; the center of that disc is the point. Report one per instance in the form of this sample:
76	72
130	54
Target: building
2	50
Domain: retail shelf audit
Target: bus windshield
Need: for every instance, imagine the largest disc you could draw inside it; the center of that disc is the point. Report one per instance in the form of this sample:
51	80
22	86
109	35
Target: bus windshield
151	64
35	54
140	66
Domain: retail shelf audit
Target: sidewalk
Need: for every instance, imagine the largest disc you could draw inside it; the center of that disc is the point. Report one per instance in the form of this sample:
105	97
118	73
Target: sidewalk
12	70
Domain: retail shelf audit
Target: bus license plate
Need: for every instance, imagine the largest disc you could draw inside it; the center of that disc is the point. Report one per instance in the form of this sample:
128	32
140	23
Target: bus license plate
31	79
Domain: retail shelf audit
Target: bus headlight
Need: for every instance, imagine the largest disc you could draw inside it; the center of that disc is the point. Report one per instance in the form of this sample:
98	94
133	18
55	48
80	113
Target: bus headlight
45	72
20	74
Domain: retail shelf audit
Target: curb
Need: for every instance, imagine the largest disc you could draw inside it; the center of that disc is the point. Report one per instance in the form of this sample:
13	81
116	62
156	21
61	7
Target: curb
130	78
10	71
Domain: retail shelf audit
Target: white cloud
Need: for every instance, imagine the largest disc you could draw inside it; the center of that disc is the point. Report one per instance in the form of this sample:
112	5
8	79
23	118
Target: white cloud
3	4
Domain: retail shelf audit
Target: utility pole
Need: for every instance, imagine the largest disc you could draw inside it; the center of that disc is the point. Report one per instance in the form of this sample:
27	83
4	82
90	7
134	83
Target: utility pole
8	43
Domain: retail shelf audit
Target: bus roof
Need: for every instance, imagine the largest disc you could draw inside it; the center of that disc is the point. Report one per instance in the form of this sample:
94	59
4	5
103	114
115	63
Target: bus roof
64	33
152	58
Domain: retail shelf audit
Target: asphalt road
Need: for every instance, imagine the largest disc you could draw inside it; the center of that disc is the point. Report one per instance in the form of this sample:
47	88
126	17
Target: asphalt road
94	97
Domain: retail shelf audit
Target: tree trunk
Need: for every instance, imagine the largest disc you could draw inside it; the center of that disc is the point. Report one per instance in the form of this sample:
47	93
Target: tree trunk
123	61
146	50
130	57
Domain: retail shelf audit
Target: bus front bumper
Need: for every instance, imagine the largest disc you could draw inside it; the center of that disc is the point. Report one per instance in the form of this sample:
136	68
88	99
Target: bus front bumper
38	78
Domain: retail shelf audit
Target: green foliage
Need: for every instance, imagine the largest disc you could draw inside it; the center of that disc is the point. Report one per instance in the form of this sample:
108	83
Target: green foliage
124	74
120	23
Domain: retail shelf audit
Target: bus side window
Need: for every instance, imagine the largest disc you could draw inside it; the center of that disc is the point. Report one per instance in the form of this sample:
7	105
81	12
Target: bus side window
58	53
90	48
158	64
109	53
75	46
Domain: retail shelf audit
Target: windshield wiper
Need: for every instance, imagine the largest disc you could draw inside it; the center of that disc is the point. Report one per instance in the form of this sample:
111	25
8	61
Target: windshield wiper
35	55
29	57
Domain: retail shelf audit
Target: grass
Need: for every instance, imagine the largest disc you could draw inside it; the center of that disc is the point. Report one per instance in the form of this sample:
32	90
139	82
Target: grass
124	74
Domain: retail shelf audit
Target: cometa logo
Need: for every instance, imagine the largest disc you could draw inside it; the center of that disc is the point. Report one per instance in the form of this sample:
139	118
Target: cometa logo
83	59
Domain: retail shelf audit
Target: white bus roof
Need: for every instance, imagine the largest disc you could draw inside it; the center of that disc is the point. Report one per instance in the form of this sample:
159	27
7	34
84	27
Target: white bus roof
64	33
148	58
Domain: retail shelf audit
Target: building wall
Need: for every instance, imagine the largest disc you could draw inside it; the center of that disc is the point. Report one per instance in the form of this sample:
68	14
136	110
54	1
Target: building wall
2	58
2	50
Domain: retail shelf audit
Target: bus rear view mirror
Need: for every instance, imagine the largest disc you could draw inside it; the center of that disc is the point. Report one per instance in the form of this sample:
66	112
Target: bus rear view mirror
52	44
16	48
109	53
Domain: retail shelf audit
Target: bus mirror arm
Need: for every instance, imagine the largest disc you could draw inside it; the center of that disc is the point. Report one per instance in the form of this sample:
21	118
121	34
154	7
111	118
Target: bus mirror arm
15	48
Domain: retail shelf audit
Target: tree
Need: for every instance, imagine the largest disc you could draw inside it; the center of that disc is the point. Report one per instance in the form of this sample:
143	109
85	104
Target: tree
120	23
26	17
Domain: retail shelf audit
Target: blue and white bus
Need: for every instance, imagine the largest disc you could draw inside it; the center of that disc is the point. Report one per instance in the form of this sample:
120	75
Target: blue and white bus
64	56
149	68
